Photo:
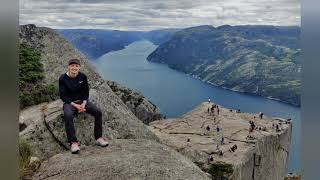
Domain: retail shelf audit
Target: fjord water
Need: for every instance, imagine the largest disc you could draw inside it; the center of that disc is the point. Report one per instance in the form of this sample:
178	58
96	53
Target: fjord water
176	93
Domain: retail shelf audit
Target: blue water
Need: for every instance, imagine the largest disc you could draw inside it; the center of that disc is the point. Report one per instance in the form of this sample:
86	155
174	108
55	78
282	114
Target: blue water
176	93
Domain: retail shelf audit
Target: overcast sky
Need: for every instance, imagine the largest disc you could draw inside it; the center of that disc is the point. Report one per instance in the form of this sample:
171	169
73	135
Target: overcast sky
156	14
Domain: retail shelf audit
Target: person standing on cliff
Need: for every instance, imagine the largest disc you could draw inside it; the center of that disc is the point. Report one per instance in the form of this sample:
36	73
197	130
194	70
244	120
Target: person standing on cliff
74	92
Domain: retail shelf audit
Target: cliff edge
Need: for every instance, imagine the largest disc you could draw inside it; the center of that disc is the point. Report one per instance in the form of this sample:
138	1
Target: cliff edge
261	154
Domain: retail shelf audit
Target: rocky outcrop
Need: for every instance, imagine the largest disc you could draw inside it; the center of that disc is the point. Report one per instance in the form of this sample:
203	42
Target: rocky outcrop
55	52
144	109
125	159
263	155
118	120
45	130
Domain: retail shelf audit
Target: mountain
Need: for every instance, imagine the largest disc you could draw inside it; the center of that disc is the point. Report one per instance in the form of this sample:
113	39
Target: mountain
134	152
263	60
159	36
96	42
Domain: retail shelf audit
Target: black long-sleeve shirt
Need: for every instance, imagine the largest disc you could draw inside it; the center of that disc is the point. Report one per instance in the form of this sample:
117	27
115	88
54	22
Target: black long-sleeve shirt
72	89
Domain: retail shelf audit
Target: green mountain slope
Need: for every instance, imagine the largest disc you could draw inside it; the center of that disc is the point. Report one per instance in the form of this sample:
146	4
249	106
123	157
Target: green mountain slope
264	60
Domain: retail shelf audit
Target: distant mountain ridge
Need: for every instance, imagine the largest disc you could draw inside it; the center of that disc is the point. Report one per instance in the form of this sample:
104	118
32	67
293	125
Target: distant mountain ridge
263	60
96	42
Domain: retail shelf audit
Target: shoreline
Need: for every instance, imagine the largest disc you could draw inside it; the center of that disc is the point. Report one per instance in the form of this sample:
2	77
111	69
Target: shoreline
223	87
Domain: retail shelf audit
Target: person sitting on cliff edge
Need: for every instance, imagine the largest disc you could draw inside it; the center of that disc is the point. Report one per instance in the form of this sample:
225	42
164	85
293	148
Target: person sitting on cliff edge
74	92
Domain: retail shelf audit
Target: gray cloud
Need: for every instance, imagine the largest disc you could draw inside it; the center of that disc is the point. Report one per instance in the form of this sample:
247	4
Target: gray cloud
149	15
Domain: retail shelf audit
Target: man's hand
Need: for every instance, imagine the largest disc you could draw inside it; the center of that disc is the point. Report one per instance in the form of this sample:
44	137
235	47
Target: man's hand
81	108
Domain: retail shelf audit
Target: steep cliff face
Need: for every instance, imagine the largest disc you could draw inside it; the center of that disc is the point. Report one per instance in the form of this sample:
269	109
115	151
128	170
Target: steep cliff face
260	155
267	160
144	109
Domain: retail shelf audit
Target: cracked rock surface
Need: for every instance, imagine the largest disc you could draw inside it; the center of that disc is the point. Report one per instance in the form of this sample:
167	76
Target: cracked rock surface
270	146
124	159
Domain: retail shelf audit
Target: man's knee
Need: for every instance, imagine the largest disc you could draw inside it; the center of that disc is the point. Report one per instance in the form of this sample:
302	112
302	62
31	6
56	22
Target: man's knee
97	112
93	109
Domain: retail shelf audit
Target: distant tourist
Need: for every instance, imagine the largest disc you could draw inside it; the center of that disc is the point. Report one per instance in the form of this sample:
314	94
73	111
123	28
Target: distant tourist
261	115
208	110
277	128
252	126
212	109
210	159
209	100
218	129
208	128
238	111
233	148
250	137
222	140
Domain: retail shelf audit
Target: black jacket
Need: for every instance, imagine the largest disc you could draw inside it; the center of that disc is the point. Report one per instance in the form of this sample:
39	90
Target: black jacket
72	89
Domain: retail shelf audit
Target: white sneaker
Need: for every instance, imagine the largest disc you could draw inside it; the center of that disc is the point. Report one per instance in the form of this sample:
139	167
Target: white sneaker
102	142
75	147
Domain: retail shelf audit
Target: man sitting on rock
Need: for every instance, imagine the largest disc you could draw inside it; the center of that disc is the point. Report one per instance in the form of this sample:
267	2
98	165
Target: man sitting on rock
74	92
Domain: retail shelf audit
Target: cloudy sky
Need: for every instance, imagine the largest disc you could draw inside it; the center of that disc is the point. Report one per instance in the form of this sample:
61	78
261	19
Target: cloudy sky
156	14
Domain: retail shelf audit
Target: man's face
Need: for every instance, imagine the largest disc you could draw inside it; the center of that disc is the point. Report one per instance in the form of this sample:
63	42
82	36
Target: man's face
74	68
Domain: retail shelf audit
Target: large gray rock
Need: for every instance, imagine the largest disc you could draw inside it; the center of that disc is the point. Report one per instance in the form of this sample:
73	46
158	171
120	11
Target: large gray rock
45	130
42	143
144	109
124	159
263	157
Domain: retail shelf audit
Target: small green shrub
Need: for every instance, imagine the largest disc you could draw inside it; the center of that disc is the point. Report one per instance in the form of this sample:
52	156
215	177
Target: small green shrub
24	153
26	169
31	74
220	170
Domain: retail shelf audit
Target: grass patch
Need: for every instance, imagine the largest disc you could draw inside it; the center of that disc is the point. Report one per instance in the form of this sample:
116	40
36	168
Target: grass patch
26	169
